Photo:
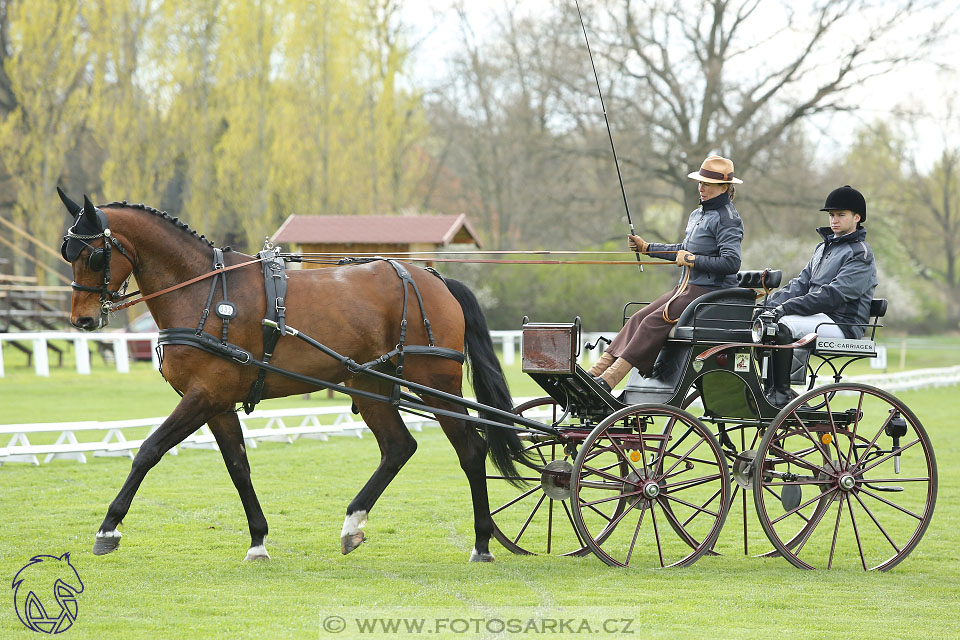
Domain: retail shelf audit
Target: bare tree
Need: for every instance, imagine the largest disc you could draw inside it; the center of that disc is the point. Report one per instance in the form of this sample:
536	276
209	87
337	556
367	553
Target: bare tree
735	76
511	130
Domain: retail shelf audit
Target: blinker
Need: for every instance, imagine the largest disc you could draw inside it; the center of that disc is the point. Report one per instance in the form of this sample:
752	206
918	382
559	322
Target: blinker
97	260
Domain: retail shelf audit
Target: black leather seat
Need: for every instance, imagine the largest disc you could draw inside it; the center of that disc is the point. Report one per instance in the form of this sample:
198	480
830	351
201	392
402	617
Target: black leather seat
723	315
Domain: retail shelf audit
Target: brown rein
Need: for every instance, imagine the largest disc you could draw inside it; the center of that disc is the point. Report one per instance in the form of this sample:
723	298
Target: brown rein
130	303
320	258
430	256
681	289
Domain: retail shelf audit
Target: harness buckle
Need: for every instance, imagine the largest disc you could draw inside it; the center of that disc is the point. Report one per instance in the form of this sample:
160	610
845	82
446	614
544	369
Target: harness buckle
281	309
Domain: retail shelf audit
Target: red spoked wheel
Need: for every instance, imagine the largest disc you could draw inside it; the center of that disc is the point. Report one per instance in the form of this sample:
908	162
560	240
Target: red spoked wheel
650	488
536	519
851	485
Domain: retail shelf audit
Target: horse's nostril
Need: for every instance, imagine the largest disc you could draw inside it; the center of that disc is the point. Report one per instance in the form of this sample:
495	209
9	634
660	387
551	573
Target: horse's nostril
84	322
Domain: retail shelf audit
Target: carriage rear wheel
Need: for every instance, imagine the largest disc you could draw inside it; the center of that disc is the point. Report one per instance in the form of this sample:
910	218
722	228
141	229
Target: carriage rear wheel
857	479
667	469
536	519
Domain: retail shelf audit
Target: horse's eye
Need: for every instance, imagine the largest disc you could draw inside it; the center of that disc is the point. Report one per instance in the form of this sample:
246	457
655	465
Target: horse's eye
97	260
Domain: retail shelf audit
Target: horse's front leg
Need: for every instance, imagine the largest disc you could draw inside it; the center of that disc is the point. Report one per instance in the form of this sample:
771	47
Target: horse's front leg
396	447
226	429
194	410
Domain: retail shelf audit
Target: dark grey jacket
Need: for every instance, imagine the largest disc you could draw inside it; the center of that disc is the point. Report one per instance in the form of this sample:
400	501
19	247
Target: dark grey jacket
839	281
714	233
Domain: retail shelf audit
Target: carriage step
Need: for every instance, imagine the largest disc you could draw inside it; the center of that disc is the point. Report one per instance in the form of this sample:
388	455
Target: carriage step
887	489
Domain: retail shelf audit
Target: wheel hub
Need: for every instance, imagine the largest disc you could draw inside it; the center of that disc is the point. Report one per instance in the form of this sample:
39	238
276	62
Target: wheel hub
847	482
555	479
743	469
648	488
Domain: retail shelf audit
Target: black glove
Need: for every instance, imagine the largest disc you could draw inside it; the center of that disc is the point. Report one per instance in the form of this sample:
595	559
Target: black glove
776	313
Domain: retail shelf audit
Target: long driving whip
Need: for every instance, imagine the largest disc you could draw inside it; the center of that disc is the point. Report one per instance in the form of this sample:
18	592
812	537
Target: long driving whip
613	148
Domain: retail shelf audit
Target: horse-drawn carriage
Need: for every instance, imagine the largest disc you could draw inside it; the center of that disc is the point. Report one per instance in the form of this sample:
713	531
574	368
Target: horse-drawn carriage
843	474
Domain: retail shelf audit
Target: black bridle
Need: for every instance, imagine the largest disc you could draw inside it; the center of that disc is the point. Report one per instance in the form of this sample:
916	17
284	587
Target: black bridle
98	260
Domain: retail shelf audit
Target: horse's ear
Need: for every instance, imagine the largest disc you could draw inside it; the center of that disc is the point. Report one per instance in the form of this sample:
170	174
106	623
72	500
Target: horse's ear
88	208
72	207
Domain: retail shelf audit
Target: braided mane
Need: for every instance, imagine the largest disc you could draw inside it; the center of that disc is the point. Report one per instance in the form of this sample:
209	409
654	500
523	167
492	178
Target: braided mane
183	226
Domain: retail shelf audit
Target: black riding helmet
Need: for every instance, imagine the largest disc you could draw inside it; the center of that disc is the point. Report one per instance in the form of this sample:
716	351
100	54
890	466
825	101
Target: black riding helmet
846	198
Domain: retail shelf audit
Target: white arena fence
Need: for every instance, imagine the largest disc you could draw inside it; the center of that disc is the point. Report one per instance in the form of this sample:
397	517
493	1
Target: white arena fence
509	342
282	425
287	425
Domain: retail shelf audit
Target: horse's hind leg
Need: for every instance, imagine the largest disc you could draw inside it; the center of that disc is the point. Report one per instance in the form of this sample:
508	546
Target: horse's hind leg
187	417
396	447
226	429
471	449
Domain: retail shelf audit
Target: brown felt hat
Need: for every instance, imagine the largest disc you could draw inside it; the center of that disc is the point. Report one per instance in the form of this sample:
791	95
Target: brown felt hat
716	169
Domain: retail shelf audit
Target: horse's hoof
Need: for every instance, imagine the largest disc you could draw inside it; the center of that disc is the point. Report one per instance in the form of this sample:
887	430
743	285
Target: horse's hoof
351	541
475	556
258	552
106	542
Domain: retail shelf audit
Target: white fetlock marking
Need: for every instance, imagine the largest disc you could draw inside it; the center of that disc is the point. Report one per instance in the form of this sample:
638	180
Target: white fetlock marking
475	555
109	534
258	552
353	523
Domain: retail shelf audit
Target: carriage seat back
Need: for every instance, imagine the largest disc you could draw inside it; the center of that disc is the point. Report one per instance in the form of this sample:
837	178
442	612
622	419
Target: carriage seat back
723	315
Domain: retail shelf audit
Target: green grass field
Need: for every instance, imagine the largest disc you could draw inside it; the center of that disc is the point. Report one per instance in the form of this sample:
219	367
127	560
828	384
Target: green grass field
180	573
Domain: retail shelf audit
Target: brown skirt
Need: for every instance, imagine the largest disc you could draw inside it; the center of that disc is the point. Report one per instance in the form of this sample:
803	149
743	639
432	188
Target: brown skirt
640	340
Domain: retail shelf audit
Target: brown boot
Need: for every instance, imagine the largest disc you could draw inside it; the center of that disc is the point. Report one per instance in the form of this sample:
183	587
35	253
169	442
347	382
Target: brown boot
601	365
616	372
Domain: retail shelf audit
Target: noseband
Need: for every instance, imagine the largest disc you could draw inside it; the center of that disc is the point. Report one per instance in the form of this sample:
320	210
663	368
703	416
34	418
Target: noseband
98	260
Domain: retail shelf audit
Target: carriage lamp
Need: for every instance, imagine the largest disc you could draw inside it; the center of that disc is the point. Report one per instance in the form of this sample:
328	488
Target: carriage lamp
896	428
764	328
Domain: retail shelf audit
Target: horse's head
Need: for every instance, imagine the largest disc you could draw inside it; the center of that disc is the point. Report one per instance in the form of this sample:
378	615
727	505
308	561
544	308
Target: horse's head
89	246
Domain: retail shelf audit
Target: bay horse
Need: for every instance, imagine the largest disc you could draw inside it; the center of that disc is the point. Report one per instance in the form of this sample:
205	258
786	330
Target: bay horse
356	310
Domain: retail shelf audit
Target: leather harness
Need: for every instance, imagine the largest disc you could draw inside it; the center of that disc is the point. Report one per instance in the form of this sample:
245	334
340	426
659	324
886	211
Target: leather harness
274	325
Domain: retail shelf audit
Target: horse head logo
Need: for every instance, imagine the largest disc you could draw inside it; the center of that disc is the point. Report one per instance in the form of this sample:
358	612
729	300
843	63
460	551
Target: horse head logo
33	586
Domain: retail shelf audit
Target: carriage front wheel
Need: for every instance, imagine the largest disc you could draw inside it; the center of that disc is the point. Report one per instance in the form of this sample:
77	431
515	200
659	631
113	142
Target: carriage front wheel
852	469
535	519
668	470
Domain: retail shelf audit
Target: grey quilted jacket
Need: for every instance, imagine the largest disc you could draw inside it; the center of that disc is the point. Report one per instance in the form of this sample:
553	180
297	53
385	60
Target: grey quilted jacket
839	281
714	233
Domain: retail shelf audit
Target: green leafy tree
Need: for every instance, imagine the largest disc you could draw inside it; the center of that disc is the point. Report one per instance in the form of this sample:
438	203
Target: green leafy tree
45	71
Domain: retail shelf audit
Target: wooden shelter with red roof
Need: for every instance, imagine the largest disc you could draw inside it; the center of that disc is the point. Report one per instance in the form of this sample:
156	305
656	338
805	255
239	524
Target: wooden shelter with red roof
379	235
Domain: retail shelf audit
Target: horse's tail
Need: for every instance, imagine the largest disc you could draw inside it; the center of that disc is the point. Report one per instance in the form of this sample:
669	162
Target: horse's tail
489	383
